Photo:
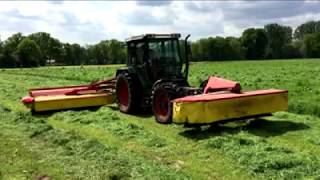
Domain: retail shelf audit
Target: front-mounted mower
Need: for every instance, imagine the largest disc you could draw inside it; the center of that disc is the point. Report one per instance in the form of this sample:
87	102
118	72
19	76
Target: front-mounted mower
156	77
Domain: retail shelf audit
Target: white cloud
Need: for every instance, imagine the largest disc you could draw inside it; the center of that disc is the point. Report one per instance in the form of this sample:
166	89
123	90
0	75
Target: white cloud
88	22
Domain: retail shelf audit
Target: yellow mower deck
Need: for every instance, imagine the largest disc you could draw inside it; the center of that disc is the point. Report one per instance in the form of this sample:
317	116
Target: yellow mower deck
60	102
97	93
209	108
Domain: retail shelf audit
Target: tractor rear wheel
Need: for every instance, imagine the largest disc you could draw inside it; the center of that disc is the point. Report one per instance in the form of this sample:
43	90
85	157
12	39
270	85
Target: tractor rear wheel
127	93
161	103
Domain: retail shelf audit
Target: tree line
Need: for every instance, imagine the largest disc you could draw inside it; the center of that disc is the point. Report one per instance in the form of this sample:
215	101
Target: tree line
274	41
40	49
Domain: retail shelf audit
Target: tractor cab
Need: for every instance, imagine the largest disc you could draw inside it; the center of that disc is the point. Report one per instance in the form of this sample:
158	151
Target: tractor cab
155	56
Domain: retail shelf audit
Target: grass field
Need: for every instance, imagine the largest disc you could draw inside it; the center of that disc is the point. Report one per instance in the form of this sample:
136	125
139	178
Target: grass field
105	144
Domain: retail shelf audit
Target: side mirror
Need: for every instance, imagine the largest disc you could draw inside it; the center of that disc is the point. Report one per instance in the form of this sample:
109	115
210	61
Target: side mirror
188	53
187	45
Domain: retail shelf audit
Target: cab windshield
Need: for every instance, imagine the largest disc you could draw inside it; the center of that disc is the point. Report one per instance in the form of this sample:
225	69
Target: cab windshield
164	52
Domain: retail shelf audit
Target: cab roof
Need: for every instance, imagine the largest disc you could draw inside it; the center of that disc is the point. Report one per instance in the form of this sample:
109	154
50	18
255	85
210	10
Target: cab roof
153	36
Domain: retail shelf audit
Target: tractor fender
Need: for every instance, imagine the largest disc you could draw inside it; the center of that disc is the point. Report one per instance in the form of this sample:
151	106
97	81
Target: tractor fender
179	82
157	83
121	71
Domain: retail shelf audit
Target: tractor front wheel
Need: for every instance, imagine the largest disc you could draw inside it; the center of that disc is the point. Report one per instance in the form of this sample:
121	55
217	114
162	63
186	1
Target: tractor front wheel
162	105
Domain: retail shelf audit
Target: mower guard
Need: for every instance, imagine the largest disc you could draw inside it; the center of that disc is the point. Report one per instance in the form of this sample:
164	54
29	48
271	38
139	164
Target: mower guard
219	106
70	97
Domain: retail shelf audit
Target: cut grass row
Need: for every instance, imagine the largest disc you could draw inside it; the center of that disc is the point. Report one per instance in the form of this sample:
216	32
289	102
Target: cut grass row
64	154
185	156
214	147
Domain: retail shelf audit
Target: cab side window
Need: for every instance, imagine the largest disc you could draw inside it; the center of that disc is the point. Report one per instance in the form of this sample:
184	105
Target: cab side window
131	53
140	47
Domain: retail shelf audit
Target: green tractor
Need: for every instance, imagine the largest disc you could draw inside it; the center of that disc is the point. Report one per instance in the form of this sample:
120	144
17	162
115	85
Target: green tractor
155	75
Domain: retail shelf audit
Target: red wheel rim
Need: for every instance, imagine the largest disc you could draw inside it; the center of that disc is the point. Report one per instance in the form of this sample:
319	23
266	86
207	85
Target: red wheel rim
123	93
162	104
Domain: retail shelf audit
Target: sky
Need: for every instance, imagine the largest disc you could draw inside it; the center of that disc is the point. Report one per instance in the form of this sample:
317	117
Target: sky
88	22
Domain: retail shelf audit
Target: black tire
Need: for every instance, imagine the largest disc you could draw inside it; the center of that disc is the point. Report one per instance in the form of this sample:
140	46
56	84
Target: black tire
162	95
127	93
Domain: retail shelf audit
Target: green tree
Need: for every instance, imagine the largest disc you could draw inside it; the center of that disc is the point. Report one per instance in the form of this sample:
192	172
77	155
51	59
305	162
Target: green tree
9	59
107	52
116	52
278	36
217	48
306	28
55	51
195	51
78	53
293	50
67	55
90	55
73	54
101	52
51	48
98	53
28	53
1	53
233	49
1	44
204	49
312	45
254	42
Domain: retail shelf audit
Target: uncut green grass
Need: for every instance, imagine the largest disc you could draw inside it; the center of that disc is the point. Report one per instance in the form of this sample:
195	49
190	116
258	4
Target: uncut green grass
105	144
